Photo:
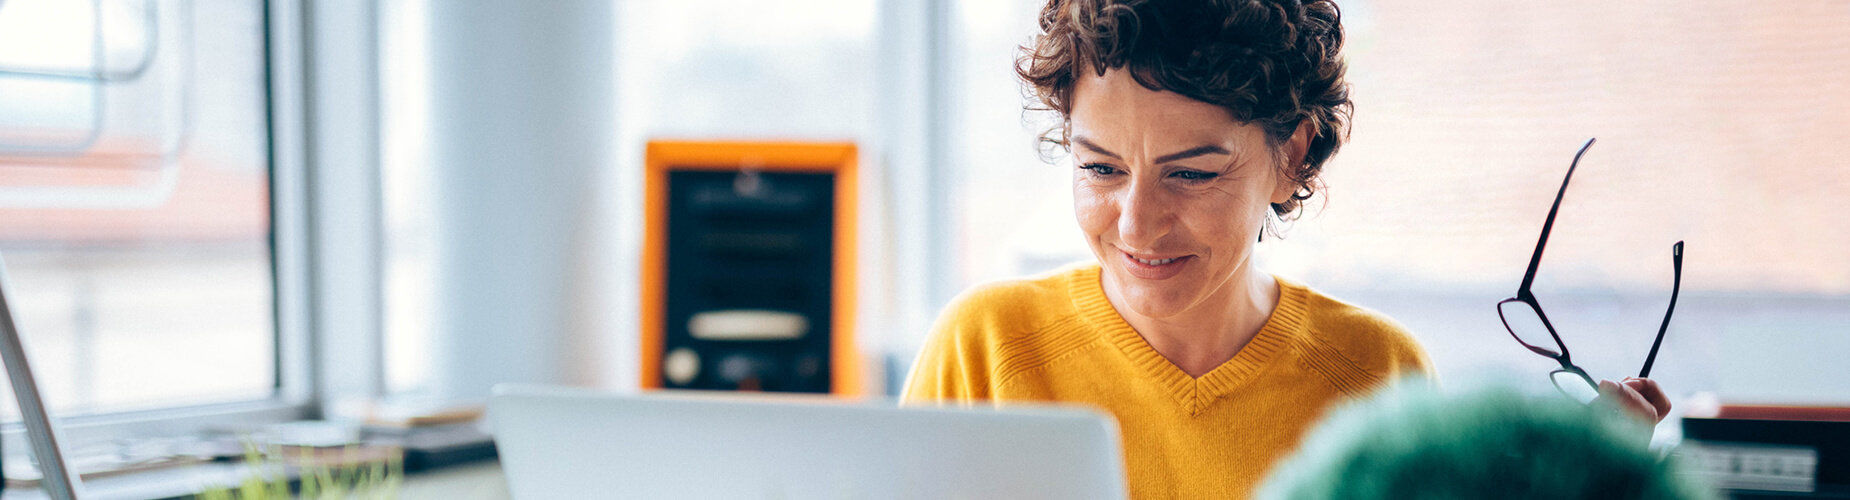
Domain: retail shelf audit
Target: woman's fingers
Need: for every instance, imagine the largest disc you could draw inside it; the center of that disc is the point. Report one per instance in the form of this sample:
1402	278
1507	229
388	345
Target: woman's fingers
1652	393
1629	399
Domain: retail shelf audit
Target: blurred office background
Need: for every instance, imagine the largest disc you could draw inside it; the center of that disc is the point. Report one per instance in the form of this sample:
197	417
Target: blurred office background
227	209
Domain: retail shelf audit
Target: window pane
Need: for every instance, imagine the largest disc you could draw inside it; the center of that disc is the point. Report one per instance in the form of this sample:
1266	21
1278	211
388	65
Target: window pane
410	275
1709	130
1014	209
743	69
140	261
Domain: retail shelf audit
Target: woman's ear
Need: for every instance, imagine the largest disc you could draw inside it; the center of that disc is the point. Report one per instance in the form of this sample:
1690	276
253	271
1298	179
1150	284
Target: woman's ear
1295	149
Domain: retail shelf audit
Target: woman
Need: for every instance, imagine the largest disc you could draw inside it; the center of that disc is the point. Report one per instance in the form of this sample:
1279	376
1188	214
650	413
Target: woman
1191	122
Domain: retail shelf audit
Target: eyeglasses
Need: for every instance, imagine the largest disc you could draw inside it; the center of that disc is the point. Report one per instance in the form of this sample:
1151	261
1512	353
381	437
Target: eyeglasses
1524	319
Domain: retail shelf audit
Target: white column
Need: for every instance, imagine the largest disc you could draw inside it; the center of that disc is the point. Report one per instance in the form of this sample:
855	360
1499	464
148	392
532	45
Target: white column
522	121
343	171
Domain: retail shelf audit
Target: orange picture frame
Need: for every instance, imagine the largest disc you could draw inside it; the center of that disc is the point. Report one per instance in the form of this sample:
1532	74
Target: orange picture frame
839	158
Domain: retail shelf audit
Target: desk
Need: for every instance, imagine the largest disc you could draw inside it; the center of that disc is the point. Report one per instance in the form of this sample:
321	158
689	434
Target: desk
477	481
473	481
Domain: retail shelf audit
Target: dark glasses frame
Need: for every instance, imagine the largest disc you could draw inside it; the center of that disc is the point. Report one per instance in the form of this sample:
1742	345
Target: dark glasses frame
1524	296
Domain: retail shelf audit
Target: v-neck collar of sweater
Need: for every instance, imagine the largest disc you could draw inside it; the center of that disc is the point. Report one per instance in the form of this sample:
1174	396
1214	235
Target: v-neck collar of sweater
1194	394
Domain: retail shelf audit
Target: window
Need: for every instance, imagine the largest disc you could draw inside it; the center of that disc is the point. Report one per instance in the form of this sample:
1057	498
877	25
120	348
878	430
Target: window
799	69
1714	127
1014	211
135	201
410	272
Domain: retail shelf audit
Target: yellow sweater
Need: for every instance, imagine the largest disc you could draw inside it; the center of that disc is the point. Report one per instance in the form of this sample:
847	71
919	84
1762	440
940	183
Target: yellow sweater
1056	338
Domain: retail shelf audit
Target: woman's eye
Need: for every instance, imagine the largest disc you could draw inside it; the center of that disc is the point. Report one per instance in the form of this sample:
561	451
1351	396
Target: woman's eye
1190	175
1099	168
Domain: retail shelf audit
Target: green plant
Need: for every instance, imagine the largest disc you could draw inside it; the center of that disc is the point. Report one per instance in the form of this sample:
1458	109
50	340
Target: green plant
350	477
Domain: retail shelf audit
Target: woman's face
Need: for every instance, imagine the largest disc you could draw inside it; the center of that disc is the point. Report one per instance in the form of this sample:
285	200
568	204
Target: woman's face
1171	192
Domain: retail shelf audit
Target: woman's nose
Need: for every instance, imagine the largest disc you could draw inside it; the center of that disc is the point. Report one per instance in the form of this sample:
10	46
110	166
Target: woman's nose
1144	216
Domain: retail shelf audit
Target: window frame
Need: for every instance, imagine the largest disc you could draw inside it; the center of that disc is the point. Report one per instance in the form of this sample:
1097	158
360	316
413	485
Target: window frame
917	98
295	394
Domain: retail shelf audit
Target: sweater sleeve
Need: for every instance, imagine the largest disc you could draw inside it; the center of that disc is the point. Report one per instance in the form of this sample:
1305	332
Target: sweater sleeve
958	360
949	368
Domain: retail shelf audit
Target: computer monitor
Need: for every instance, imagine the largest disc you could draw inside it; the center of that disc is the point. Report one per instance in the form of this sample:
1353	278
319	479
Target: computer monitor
60	482
574	443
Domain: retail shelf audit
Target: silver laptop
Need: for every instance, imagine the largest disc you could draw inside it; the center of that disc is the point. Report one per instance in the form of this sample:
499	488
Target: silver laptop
572	443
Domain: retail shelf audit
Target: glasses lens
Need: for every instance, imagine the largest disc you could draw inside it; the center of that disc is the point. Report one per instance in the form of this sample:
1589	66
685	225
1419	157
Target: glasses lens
1575	386
1527	326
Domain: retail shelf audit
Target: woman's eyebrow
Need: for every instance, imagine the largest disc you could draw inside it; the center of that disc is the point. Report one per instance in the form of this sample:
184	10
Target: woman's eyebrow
1183	155
1192	152
1095	148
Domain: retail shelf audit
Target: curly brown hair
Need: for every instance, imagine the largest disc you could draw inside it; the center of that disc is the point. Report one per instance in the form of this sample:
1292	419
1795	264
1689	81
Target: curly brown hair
1273	63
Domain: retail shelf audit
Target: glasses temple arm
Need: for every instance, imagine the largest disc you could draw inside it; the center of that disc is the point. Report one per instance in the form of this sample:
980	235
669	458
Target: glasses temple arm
1676	260
1528	278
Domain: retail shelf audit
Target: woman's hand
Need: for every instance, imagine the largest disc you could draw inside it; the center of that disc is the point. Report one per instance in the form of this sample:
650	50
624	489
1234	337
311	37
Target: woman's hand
1639	396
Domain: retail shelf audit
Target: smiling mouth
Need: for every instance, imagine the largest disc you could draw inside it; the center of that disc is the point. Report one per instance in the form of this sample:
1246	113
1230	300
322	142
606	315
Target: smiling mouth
1155	269
1156	262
